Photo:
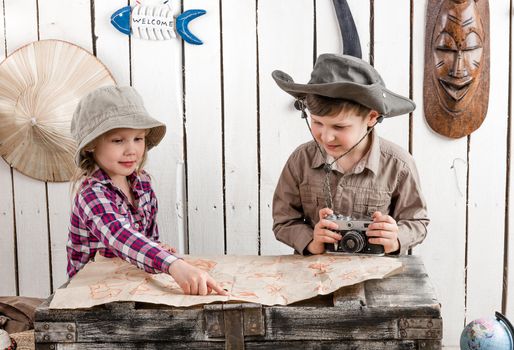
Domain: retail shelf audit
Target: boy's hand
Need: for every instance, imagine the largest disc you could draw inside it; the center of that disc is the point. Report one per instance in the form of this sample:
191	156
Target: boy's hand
168	248
384	231
322	233
192	280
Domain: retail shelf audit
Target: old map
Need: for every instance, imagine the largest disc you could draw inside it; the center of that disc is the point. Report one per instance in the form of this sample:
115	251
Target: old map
268	280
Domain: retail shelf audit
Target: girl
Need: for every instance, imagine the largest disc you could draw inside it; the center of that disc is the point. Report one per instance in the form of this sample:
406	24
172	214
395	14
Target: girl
114	210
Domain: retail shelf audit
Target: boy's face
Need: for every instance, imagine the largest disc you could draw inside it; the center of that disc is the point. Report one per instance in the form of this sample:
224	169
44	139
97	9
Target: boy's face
338	133
119	152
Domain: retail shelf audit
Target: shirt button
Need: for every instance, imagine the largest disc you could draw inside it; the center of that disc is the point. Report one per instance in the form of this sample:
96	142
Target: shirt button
136	225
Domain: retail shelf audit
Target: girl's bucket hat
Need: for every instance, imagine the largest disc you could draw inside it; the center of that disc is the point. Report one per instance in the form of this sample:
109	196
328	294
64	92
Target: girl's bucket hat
112	107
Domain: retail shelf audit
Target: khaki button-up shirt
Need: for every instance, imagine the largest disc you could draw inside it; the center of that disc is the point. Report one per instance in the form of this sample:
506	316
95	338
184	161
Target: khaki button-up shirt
385	180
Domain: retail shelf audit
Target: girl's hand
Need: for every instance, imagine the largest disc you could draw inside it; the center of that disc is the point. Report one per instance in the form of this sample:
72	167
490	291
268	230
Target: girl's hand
384	231
322	233
168	248
192	280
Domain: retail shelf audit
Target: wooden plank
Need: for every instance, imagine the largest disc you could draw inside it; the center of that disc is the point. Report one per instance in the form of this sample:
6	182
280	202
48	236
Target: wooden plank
55	22
3	48
7	242
328	35
350	297
204	133
346	345
256	345
487	161
32	237
157	76
107	312
240	126
282	323
132	345
112	47
334	323
400	290
409	288
391	59
30	194
442	168
285	42
509	297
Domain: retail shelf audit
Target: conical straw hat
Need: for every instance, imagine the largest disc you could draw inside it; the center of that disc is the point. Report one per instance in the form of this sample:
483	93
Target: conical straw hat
40	86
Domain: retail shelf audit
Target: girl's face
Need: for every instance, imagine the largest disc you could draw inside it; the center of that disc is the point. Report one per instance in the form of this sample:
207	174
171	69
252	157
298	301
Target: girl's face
119	152
338	133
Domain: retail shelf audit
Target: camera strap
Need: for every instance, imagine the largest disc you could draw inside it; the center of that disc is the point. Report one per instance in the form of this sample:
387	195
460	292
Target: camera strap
327	167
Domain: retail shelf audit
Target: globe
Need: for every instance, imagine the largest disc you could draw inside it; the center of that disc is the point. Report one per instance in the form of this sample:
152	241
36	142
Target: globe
493	333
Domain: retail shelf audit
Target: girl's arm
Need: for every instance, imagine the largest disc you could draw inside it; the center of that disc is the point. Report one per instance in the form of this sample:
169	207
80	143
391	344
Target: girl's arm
113	228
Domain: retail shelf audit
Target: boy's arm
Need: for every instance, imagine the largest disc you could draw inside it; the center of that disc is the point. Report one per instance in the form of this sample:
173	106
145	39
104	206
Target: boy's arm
410	210
289	223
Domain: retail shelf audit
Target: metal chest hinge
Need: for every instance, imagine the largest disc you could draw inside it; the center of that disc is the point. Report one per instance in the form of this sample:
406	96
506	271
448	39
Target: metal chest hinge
420	328
55	332
234	322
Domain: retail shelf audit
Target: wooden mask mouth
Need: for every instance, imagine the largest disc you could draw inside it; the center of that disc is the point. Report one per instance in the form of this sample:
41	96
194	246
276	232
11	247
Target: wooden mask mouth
456	88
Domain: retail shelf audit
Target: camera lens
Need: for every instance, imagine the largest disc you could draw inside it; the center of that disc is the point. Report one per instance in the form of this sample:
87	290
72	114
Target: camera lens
352	242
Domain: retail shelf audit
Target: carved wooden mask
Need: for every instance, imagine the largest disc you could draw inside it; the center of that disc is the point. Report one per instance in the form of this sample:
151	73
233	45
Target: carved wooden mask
456	81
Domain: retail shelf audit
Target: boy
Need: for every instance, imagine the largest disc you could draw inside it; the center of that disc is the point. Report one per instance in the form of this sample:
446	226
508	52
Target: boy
347	169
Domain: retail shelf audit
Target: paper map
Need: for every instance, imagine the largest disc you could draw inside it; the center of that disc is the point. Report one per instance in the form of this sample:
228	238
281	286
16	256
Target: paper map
267	280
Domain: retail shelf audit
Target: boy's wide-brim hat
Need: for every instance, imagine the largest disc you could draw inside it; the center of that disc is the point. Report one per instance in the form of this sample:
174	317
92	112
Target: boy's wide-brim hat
349	78
40	86
108	108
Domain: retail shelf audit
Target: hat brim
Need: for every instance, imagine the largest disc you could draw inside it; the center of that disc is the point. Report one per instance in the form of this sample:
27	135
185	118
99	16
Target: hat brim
157	130
374	96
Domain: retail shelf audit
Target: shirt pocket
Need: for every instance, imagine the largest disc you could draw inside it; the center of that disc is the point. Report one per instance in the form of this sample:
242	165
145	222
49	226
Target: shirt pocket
123	209
367	202
312	200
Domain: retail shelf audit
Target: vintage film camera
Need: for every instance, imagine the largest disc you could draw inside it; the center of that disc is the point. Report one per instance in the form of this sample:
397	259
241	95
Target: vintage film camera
354	236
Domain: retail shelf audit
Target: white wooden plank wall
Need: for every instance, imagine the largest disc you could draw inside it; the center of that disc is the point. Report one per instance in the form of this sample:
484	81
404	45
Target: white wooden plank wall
487	165
231	129
391	58
240	113
8	259
204	136
30	205
286	32
442	166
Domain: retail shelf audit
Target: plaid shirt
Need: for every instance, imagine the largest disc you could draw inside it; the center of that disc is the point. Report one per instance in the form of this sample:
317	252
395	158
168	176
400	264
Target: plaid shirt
103	220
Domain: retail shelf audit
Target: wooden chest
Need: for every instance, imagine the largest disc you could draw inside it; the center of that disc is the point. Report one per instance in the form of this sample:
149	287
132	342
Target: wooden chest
399	312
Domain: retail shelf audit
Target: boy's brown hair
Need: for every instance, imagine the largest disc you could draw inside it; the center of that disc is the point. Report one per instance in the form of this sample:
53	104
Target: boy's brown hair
327	106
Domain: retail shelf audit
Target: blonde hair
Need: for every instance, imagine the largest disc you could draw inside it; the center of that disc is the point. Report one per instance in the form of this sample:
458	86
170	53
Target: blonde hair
327	106
88	164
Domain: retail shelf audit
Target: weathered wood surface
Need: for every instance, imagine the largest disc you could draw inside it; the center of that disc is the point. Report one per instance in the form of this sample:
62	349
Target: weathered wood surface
399	312
251	345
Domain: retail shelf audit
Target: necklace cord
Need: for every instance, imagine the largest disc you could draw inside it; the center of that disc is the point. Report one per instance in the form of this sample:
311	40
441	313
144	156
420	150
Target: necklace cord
327	167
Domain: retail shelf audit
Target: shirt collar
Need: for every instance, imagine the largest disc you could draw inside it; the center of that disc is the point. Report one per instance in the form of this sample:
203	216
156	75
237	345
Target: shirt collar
371	160
134	180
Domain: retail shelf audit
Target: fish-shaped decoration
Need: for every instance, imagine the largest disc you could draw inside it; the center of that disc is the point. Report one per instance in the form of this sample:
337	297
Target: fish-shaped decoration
155	22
